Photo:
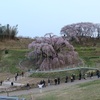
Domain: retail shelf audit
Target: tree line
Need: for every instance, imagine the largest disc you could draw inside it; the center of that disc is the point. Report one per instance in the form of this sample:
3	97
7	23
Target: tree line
83	29
8	32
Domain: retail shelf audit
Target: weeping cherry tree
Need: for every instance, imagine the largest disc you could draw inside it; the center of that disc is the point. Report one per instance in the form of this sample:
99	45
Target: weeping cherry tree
52	52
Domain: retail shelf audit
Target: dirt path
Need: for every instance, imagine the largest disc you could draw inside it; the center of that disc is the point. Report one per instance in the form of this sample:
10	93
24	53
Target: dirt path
48	88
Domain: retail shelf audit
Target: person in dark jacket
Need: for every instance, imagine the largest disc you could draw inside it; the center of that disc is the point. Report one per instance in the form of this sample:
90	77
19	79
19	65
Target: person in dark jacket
73	75
12	84
28	86
80	76
1	82
58	79
43	83
98	73
55	80
66	79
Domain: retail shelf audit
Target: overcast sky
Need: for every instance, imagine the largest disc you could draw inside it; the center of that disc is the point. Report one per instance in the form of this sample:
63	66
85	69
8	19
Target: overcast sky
37	17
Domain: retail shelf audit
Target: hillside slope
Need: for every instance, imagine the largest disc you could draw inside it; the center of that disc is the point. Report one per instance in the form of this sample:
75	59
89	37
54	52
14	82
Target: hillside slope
17	51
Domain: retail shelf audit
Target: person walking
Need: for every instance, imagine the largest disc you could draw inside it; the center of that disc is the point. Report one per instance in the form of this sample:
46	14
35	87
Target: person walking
55	80
91	74
28	86
80	76
73	75
17	74
85	76
71	78
98	73
49	83
43	83
16	78
58	79
66	80
22	74
1	82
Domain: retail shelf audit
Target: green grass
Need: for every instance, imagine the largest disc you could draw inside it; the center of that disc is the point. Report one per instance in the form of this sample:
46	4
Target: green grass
90	55
10	61
95	82
61	74
49	97
83	91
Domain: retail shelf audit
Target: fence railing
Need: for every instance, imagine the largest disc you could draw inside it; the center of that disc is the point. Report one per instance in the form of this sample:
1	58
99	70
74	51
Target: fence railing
10	98
64	69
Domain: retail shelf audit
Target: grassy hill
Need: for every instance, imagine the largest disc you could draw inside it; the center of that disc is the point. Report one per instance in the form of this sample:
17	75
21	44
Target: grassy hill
21	43
17	49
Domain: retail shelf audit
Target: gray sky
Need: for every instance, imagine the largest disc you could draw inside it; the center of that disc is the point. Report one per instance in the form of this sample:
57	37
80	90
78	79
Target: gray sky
37	17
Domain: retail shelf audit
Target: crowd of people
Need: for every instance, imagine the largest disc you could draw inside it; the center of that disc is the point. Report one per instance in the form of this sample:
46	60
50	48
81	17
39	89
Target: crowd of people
17	74
57	80
70	78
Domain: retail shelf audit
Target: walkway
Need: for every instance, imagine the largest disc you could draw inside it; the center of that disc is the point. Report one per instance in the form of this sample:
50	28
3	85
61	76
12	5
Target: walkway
6	85
48	88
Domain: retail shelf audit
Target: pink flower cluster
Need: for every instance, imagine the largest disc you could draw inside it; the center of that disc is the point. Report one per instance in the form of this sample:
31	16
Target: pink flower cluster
52	52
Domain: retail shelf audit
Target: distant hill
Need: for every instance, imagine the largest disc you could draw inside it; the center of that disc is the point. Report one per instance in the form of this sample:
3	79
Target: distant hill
19	43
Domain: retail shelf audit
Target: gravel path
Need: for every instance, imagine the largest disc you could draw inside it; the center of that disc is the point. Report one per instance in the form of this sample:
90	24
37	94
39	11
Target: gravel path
48	88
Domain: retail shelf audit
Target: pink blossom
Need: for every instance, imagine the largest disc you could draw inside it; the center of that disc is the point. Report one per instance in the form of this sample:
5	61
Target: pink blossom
52	52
